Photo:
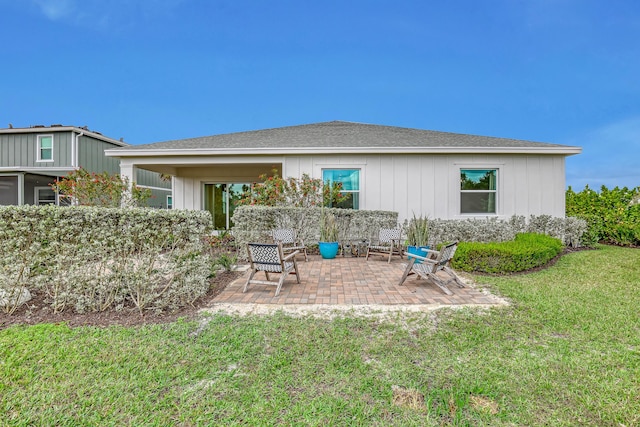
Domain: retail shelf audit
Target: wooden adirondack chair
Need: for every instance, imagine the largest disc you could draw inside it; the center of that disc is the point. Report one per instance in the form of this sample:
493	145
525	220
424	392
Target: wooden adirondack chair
435	267
290	242
269	258
388	243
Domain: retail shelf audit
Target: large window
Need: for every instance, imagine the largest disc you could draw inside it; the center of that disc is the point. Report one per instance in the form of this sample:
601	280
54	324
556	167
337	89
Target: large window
45	148
350	179
478	191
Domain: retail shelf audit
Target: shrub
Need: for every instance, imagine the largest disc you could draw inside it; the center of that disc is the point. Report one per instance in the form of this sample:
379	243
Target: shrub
100	189
613	216
92	259
255	223
568	230
527	250
297	192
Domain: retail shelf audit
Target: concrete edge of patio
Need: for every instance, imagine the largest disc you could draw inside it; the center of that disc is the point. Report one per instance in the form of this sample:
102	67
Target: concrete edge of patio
335	310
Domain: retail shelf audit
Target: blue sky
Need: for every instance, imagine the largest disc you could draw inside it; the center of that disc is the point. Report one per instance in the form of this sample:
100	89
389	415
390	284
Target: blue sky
558	71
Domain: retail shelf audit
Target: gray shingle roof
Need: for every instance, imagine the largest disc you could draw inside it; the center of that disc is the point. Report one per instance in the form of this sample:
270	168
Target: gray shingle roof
340	134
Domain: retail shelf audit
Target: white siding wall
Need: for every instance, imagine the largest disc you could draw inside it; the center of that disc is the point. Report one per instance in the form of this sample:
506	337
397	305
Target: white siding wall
422	184
430	184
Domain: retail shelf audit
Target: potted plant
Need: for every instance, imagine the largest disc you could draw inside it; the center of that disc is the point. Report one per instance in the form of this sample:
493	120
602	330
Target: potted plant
328	243
418	236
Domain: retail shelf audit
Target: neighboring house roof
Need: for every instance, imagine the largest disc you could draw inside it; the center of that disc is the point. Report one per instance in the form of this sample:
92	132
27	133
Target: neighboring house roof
340	137
60	128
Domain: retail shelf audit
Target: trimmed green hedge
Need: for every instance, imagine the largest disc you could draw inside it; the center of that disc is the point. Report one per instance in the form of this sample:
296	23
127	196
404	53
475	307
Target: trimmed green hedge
528	250
90	259
255	223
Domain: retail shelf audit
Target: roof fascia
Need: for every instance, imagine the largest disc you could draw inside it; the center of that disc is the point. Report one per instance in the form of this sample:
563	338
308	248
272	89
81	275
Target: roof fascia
560	150
87	132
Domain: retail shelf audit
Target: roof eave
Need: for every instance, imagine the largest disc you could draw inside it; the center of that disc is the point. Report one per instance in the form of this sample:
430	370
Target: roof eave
560	150
51	129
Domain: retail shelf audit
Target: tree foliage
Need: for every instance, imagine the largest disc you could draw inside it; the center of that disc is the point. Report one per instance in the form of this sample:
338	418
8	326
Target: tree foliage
301	192
613	216
100	189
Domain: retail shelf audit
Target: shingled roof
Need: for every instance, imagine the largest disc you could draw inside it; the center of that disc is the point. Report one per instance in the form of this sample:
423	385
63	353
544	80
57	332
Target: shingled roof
339	136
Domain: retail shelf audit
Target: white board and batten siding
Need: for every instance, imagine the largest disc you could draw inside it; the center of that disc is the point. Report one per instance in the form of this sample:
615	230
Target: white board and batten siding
420	184
430	184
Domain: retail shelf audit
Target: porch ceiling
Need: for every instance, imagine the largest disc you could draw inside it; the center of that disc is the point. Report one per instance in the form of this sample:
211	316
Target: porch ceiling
205	169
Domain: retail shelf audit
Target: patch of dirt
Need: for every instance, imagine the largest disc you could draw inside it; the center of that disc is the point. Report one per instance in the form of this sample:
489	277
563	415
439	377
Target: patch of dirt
408	398
37	311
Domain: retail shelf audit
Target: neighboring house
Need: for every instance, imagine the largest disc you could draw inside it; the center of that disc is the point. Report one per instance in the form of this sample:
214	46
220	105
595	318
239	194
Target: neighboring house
410	171
33	158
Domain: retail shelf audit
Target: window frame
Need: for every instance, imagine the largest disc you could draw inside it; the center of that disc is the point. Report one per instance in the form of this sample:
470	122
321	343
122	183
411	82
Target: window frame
496	192
349	168
40	148
38	201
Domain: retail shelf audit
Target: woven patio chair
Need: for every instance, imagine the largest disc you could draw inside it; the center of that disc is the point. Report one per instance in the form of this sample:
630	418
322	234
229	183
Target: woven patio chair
269	258
434	267
290	241
387	245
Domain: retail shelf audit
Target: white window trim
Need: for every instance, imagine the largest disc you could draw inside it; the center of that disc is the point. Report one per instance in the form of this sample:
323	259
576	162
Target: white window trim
357	166
498	191
39	149
36	199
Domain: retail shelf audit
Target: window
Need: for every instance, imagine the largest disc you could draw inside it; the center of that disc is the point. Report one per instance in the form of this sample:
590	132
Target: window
350	179
45	148
478	191
44	196
169	202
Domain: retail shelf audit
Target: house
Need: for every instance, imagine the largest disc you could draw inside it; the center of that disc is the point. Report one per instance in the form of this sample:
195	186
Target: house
411	171
33	158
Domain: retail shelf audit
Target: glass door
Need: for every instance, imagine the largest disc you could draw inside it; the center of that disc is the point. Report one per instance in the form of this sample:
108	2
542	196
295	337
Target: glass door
221	200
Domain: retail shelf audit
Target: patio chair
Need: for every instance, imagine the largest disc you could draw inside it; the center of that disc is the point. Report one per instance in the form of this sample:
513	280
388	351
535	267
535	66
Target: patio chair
289	240
434	266
269	258
388	243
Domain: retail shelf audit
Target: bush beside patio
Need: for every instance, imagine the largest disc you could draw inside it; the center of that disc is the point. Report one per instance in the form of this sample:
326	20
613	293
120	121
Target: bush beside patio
90	259
526	251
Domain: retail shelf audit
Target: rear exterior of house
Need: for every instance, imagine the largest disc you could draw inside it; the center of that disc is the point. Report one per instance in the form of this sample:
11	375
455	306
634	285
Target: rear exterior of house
31	159
410	171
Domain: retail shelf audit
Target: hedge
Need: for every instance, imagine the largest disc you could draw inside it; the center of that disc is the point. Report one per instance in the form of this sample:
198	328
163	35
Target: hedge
90	259
526	251
255	223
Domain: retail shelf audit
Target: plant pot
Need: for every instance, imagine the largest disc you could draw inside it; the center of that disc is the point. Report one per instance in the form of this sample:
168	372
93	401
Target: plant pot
328	250
417	250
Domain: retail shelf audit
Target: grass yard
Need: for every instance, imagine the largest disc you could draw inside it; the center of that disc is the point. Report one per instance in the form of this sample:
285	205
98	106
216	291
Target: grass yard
567	352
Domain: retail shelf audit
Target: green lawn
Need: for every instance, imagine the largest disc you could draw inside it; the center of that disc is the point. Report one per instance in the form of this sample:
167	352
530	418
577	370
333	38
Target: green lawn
567	352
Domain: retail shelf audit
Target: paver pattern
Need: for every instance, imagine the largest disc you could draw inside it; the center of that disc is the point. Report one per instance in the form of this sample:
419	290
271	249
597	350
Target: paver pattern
353	281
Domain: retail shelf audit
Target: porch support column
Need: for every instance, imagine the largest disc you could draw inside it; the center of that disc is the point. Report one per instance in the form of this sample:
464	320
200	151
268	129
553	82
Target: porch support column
21	189
128	172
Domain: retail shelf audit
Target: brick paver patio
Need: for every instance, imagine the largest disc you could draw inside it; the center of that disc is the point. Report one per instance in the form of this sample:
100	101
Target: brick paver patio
352	281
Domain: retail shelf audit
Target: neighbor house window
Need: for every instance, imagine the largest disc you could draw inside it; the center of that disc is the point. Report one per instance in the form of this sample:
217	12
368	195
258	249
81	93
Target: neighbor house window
169	202
45	148
350	179
478	191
